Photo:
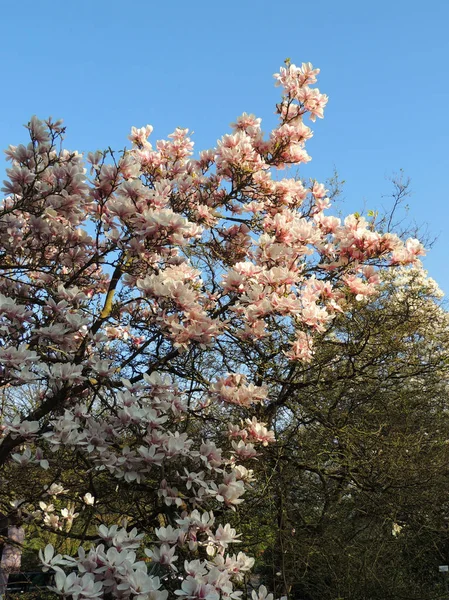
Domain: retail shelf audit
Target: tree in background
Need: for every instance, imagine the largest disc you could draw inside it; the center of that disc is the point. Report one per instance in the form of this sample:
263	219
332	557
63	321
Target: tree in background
155	316
355	501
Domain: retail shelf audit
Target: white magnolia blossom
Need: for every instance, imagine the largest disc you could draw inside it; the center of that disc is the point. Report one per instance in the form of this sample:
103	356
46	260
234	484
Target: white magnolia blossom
89	499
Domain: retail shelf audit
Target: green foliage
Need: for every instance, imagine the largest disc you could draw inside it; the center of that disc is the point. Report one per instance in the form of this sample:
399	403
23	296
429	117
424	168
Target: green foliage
38	594
358	505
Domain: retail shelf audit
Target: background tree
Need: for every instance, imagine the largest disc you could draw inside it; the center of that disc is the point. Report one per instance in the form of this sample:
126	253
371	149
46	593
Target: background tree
358	477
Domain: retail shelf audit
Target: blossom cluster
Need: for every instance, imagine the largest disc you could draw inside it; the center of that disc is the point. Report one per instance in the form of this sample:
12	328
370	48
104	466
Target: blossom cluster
112	567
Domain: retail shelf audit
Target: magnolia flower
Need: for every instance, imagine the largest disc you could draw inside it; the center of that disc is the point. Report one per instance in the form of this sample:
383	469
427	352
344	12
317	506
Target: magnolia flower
24	428
241	472
39	458
192	588
23	459
139	583
168	534
58	372
69	514
56	489
229	493
163	555
262	594
66	585
89	587
195	568
120	538
244	451
46	507
49	560
52	521
201	521
89	499
225	535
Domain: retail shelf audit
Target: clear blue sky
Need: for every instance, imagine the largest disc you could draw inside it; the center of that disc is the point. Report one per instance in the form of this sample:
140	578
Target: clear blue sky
103	66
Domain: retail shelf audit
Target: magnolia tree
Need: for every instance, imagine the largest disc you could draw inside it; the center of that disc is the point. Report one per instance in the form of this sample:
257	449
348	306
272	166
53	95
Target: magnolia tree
142	301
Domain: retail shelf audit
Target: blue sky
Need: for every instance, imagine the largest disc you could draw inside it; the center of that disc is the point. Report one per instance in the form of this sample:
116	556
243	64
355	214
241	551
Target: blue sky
106	65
